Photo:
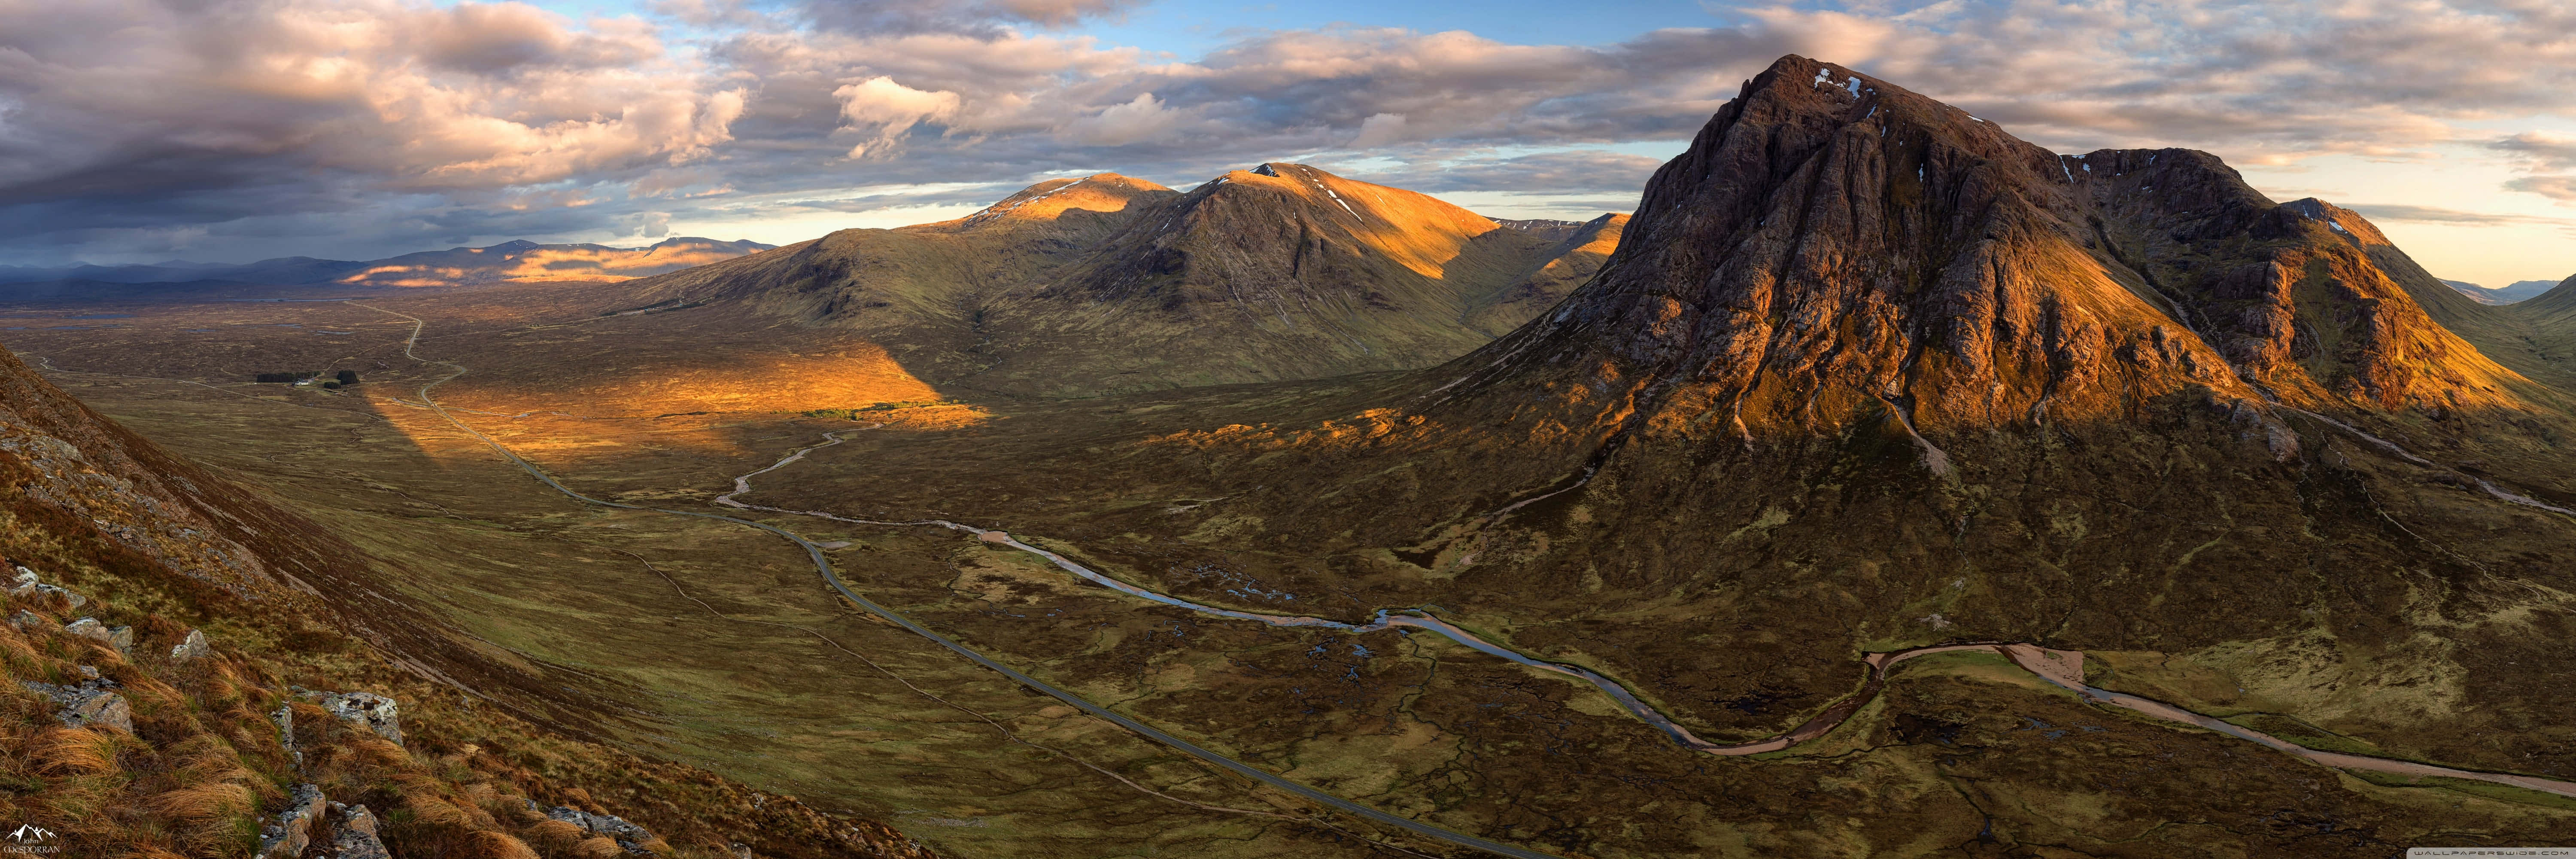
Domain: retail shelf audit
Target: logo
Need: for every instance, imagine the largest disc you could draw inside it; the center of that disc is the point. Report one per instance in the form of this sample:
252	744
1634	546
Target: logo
29	838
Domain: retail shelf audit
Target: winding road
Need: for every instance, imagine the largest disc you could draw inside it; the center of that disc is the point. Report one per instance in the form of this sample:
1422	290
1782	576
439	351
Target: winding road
2057	667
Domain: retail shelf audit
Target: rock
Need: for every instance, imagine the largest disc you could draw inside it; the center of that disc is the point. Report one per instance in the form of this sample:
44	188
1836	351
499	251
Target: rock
88	703
285	719
287	834
372	711
355	838
627	835
119	637
28	586
194	647
30	622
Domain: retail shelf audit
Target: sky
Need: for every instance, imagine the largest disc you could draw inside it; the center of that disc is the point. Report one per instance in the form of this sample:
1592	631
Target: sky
234	130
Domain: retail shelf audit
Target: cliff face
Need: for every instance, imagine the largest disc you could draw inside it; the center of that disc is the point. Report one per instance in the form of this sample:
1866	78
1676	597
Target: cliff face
1107	283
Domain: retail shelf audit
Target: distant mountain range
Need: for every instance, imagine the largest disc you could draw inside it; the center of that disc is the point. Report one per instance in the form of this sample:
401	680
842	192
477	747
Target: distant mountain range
507	262
1076	287
2521	289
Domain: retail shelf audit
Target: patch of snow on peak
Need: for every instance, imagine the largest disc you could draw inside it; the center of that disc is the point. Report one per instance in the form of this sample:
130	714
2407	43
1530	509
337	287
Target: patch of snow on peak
1822	75
1855	86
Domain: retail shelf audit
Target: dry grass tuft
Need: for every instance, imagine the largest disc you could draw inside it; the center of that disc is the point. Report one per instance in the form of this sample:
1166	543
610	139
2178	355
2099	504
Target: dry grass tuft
75	751
437	811
598	847
500	845
555	835
202	802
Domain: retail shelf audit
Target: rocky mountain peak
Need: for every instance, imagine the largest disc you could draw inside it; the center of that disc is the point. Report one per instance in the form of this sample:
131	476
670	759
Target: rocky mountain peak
1832	245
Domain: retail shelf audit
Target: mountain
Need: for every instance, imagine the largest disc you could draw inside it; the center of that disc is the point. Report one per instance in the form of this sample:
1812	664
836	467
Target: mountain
1108	283
2521	289
509	262
1866	373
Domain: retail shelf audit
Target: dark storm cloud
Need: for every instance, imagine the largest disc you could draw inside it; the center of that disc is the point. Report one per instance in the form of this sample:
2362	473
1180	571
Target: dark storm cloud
242	128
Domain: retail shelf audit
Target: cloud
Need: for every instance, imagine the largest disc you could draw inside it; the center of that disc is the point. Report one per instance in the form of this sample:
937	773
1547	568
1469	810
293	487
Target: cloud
2437	215
892	109
2544	150
979	18
2560	188
354	127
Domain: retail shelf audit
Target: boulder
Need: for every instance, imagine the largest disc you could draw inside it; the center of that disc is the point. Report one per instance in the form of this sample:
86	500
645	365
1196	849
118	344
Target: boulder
194	647
119	637
28	586
366	709
630	836
89	703
30	622
355	837
286	835
285	719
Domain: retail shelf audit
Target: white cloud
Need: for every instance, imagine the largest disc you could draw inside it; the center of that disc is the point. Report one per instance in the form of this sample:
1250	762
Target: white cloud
891	109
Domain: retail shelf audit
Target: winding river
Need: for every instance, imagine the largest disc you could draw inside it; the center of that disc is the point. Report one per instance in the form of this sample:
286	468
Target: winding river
2061	668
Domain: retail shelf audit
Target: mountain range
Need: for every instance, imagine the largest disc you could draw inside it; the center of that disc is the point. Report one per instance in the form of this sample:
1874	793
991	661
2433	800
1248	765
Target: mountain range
517	261
1110	283
2519	290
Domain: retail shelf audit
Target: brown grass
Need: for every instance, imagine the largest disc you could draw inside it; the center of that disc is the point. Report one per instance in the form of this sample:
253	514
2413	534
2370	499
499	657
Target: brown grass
500	845
202	802
598	847
75	751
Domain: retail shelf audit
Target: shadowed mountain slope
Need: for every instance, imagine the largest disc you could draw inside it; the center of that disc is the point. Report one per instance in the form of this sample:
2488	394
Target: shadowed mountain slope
1078	287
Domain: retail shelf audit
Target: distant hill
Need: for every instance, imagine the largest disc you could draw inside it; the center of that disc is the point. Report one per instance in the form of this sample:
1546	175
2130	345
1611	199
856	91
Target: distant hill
507	262
2520	290
1076	287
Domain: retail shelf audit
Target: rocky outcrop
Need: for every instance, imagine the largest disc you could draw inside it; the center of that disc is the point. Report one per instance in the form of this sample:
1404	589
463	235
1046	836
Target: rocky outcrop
627	835
119	637
90	703
285	720
290	830
367	710
29	586
192	647
353	834
31	623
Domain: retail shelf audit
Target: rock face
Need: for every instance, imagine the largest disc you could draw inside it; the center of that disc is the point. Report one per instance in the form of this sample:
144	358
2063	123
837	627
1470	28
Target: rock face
1111	283
368	710
89	703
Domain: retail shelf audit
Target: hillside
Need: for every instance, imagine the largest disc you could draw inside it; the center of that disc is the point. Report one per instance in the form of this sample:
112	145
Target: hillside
201	672
1107	283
